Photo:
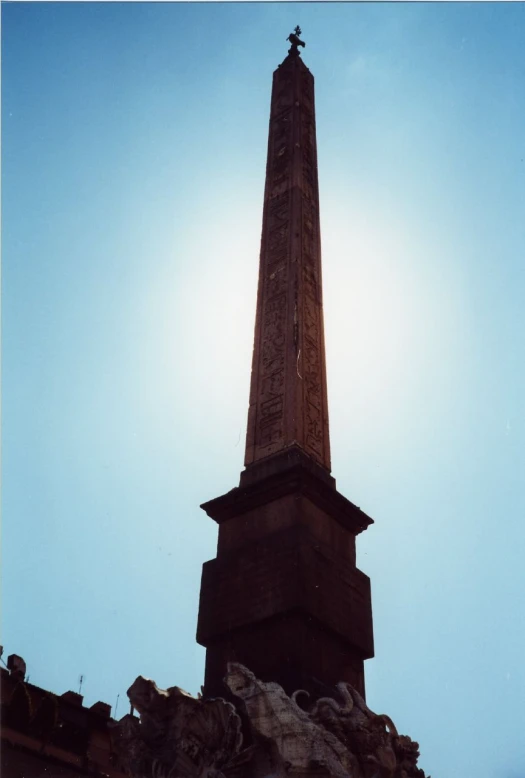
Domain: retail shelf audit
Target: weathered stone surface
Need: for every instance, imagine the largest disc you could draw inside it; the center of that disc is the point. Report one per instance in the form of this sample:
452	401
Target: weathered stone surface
288	396
294	603
264	733
177	735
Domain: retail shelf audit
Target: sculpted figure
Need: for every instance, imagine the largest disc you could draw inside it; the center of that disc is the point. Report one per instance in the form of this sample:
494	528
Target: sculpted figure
407	752
295	41
373	738
301	743
178	736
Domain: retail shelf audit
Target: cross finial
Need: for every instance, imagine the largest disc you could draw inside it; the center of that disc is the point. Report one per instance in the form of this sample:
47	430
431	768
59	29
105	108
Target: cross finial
295	41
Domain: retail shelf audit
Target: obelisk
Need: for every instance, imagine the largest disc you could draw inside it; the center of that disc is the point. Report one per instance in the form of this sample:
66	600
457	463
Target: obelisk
288	397
284	596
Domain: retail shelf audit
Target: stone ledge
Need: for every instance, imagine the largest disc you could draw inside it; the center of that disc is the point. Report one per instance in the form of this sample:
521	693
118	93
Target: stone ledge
297	477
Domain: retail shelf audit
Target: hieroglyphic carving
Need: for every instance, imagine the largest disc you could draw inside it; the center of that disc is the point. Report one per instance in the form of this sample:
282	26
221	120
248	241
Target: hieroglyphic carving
312	365
278	228
309	171
269	424
308	168
278	210
290	325
310	232
311	319
310	283
307	91
276	278
270	420
270	401
314	429
274	322
312	377
314	404
281	157
283	94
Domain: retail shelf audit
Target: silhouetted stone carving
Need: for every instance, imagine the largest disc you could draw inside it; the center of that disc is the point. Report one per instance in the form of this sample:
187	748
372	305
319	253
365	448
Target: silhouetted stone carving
179	736
295	41
301	743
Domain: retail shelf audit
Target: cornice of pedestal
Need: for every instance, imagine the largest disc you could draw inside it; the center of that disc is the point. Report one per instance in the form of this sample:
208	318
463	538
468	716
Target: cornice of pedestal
291	471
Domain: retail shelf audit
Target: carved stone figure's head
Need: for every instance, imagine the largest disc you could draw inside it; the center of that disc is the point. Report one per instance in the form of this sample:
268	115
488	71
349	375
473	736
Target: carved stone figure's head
176	693
240	681
145	695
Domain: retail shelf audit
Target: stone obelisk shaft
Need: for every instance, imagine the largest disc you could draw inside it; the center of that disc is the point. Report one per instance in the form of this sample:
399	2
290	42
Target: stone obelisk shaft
288	395
283	595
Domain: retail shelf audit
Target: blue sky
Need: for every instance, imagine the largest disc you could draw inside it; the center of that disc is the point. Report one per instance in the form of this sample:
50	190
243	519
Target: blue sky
133	159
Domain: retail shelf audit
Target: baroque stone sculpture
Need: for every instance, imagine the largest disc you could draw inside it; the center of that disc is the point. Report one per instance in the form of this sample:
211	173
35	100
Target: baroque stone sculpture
262	734
295	41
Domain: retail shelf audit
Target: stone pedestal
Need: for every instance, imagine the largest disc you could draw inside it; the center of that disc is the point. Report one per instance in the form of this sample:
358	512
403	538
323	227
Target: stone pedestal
284	595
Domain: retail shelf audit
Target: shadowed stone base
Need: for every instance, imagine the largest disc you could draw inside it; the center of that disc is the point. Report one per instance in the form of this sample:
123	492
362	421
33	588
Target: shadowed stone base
284	595
263	733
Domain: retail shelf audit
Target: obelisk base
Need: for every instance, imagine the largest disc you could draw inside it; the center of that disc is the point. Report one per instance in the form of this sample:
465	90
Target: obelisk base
284	595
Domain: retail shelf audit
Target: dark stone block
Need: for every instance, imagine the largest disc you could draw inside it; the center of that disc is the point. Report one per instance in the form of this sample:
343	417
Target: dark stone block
101	709
73	698
288	607
288	571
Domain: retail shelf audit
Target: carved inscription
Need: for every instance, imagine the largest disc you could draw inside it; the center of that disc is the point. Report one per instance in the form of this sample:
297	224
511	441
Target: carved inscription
312	357
307	91
278	238
277	245
273	384
269	434
276	279
280	149
270	401
311	325
310	285
314	429
274	322
308	167
313	401
290	326
278	210
271	398
271	420
310	220
283	97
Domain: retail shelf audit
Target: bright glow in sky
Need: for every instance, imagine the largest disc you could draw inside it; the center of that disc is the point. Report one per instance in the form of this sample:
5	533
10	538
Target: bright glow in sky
133	160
